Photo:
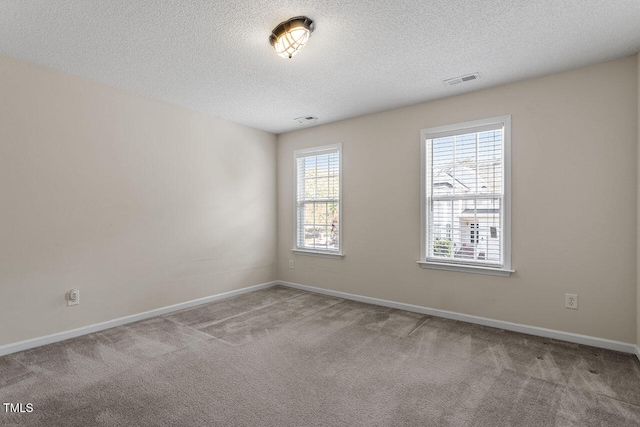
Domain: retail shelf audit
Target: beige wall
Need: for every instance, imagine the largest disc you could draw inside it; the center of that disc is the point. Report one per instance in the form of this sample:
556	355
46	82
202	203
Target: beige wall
137	203
140	204
574	165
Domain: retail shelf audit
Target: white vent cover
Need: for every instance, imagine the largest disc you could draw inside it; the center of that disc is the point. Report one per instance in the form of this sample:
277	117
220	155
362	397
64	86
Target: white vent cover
462	79
306	119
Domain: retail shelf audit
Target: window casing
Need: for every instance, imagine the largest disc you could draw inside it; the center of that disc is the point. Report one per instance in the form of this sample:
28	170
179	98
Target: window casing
465	191
318	208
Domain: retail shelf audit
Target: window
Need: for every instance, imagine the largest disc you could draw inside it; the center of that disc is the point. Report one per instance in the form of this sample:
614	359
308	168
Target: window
465	191
318	205
474	238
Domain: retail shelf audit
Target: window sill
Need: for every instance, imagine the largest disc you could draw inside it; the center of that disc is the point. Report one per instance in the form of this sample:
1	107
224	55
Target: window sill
495	271
318	253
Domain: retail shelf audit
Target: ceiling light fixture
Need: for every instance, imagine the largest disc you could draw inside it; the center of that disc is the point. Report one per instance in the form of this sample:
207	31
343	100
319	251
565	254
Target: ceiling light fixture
289	37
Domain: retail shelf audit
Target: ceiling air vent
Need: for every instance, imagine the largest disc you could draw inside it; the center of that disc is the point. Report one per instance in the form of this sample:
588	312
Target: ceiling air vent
306	119
462	79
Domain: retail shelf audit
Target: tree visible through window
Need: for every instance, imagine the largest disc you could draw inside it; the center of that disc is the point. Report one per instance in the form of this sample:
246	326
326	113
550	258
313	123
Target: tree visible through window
318	199
465	205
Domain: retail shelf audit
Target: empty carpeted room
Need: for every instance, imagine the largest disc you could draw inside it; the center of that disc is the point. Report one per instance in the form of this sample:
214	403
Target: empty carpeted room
287	213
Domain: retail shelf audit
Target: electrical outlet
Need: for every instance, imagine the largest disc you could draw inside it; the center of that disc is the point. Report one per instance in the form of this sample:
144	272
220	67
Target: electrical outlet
290	263
73	297
571	301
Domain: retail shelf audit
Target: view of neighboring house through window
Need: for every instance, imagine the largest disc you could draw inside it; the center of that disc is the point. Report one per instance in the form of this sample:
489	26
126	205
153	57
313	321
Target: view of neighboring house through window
465	206
317	175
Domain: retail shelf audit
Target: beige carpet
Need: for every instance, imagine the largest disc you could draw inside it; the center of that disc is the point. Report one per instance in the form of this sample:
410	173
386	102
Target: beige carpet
283	357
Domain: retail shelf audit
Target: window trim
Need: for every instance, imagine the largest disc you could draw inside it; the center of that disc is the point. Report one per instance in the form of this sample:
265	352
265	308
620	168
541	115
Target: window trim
458	129
303	153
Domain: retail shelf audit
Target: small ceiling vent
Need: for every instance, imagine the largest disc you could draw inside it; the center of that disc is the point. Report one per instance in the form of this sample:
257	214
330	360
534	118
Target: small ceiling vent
462	79
306	119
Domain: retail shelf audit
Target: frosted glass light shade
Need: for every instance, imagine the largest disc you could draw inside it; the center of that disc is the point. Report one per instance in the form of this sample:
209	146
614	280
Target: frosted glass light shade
289	37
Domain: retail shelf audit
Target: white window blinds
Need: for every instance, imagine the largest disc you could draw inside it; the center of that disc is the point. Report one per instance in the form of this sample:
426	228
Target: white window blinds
465	183
318	199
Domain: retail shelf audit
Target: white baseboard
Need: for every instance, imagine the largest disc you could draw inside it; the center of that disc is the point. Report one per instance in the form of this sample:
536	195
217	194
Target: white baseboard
516	327
509	326
61	336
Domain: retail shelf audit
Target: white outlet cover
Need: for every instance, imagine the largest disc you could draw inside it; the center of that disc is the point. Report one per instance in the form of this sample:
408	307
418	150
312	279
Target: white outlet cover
571	301
73	297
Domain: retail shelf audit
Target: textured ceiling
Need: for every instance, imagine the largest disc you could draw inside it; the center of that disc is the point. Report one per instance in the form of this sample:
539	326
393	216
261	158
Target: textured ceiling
365	56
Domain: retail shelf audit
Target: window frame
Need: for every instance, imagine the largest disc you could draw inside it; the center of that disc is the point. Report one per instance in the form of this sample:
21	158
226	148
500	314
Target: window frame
460	129
307	152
